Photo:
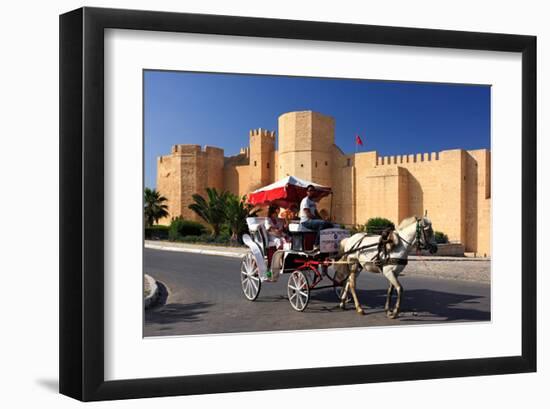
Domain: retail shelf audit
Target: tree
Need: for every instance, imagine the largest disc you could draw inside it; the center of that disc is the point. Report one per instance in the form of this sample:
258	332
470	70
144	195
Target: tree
211	209
237	210
154	207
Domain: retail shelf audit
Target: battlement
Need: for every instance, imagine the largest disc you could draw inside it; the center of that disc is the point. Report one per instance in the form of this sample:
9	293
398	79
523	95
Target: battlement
186	149
189	149
262	132
245	152
213	151
414	158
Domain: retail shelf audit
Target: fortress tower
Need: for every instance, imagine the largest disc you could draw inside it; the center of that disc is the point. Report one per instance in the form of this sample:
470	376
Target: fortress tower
262	158
186	171
306	141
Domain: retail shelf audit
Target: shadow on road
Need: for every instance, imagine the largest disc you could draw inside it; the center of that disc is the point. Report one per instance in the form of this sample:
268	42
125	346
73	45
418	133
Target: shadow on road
441	306
177	312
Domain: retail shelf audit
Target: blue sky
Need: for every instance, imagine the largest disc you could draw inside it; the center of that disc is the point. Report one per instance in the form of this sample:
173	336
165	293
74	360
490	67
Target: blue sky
392	118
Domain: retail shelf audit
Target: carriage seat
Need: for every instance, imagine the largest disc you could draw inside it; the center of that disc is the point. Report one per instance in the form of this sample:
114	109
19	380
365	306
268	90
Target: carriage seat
258	232
298	228
254	223
256	226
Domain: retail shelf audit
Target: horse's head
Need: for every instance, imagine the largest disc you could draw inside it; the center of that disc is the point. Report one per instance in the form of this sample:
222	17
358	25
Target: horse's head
425	237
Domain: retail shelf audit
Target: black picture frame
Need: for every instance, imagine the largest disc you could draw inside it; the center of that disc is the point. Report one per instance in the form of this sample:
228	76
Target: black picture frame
82	203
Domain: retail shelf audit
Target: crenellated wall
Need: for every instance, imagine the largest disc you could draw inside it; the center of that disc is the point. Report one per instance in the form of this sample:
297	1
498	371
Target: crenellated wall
453	186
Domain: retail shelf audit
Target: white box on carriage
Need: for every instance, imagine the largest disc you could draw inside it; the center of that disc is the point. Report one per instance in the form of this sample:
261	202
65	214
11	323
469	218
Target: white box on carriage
330	239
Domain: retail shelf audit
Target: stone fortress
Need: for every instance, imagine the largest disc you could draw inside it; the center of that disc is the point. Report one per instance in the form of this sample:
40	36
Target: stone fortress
454	186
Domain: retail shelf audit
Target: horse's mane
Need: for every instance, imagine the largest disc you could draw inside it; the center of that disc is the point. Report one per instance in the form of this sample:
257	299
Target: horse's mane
406	222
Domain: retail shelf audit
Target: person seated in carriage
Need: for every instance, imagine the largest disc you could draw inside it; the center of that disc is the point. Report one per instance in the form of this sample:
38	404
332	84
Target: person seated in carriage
276	228
310	218
289	214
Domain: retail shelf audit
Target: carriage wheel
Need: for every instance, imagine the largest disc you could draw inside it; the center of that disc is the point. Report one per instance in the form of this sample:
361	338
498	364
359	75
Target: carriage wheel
298	290
250	279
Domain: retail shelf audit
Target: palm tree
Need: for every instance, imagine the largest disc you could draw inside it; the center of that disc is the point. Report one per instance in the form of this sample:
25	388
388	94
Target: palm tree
237	210
211	209
154	207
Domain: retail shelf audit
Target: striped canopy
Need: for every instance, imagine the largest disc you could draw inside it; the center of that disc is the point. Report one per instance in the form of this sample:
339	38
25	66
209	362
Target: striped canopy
285	192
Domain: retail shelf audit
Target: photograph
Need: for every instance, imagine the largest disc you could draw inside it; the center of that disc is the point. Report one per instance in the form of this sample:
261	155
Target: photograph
288	203
280	203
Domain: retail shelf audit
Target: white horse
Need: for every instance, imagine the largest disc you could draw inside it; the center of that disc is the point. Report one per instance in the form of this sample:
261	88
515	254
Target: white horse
412	231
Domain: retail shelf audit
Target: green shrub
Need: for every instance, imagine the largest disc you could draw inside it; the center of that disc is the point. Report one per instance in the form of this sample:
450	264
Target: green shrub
182	228
376	225
157	232
440	238
222	239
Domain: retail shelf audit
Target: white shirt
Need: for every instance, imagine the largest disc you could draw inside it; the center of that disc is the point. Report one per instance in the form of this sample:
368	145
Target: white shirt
307	203
269	223
273	241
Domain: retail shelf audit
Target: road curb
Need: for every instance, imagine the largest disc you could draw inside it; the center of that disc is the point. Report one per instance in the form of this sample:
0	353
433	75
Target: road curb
196	251
152	298
237	254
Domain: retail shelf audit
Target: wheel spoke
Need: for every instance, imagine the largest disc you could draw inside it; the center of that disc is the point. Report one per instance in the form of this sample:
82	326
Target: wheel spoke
298	302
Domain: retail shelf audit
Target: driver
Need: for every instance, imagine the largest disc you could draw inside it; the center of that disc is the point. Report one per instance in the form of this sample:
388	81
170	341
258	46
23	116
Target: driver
310	217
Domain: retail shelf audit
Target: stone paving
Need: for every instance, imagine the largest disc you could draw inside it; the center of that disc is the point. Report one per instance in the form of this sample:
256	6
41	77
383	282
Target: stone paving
460	268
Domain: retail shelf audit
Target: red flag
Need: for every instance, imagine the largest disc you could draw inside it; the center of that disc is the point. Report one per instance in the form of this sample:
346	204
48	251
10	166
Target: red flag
358	140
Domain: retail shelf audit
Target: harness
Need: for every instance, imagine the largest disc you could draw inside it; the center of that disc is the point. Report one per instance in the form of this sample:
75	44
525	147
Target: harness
382	257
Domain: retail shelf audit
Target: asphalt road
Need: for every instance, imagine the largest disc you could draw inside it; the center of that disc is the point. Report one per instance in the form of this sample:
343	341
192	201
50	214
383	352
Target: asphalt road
202	295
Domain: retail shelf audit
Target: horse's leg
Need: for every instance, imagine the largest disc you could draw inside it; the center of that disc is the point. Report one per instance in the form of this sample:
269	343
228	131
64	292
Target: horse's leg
397	285
388	298
397	307
344	295
352	278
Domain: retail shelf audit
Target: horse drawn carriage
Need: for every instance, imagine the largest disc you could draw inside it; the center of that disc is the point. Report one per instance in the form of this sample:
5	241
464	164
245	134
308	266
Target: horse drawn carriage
338	258
306	264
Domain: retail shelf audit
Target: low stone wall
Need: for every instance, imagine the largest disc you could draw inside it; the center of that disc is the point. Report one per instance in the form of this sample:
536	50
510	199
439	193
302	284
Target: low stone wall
444	250
451	249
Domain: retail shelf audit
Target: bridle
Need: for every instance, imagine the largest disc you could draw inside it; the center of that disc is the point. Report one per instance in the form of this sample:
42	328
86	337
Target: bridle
420	241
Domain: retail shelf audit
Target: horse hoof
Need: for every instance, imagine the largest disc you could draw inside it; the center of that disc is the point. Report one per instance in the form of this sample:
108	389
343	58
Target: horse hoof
342	306
360	312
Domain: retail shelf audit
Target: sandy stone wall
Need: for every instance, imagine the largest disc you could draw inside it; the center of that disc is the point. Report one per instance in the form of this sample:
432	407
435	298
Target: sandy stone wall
186	171
453	186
